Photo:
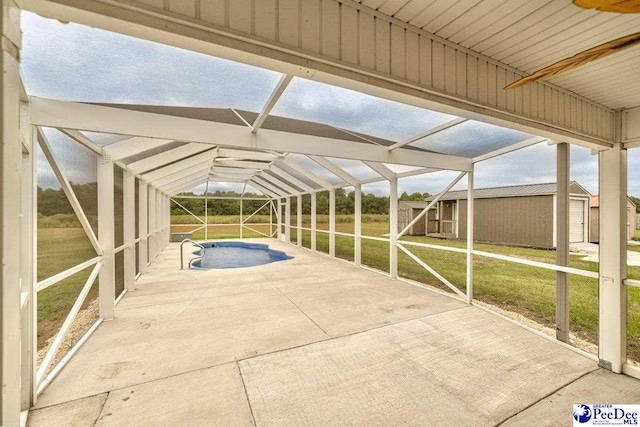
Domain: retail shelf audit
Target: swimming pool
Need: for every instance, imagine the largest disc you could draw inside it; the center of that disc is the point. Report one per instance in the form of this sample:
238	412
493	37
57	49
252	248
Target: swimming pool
236	255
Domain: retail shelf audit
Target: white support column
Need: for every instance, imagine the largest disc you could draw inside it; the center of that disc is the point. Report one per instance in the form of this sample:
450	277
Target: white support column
28	262
271	218
357	243
143	229
299	220
393	228
106	237
470	225
562	240
129	228
10	195
612	336
279	220
287	223
314	220
332	222
241	227
152	223
206	211
158	222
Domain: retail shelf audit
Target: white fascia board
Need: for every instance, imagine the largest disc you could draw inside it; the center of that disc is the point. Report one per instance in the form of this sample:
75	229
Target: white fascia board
168	157
133	146
98	118
189	163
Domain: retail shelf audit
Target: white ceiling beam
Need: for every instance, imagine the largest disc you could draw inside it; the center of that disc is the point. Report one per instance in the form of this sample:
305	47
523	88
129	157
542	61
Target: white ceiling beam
83	140
242	164
292	179
430	132
169	156
188	163
336	170
281	86
310	175
519	146
98	118
276	181
248	155
132	146
382	170
261	181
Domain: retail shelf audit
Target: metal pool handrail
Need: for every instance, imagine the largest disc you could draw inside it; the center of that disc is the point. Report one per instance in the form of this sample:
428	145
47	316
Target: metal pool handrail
181	251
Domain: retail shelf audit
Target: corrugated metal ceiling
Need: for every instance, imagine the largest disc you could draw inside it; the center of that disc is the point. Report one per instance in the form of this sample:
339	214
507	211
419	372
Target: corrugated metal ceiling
530	35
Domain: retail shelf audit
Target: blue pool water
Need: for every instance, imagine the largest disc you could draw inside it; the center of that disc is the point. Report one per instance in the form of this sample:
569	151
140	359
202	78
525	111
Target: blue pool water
237	255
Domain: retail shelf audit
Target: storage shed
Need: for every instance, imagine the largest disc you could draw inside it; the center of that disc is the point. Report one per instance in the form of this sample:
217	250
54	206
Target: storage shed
595	219
522	215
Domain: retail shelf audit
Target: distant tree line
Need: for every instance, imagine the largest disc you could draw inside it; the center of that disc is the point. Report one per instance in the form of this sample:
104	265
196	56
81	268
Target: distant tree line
53	201
636	200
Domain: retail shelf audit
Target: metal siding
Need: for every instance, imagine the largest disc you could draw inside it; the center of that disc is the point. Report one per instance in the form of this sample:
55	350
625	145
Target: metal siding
522	221
446	71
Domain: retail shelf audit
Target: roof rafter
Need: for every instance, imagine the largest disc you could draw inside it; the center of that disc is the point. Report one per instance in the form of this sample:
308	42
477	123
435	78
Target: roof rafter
519	146
382	170
425	134
281	86
166	157
307	173
335	169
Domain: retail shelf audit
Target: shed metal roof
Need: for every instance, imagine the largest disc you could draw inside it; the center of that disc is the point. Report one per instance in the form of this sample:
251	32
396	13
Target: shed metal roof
545	189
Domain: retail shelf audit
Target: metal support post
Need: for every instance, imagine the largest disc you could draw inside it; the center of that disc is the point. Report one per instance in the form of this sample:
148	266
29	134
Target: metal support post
314	220
10	195
129	228
357	244
470	225
106	237
287	223
612	336
332	222
279	219
152	223
299	220
562	240
143	230
393	228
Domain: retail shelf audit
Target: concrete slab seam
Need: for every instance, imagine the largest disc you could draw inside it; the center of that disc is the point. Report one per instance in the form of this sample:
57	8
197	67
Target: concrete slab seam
547	396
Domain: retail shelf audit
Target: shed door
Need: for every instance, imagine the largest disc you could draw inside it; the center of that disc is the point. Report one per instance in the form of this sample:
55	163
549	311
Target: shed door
577	220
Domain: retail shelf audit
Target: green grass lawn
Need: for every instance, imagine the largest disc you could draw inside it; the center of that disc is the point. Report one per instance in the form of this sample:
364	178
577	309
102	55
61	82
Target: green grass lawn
526	290
58	250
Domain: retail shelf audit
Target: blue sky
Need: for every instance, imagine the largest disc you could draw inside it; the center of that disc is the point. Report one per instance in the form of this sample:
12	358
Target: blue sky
78	63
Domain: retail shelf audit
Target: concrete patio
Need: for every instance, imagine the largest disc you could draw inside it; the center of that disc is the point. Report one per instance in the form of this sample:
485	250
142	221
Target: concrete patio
314	341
